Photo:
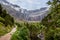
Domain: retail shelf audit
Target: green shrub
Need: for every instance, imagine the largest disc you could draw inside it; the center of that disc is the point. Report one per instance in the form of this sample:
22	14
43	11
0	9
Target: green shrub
27	31
52	34
35	29
4	16
4	30
22	34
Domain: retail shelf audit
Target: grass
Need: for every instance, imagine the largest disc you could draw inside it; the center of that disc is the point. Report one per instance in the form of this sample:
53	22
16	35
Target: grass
2	19
4	30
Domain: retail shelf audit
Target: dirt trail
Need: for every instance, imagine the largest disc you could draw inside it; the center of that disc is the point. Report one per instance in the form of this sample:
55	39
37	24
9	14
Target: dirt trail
8	35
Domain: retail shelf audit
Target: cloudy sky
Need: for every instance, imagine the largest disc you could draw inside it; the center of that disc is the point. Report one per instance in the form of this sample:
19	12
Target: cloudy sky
30	4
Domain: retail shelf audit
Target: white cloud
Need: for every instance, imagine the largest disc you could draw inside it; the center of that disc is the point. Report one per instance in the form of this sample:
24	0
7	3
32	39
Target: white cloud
29	4
12	1
30	1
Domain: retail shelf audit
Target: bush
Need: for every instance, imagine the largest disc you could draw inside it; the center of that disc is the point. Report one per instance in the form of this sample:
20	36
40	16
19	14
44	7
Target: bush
4	16
53	34
4	30
22	34
35	29
27	31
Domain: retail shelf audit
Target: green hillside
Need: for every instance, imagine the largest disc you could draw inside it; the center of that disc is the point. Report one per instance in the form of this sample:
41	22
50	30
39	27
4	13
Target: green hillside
6	21
52	21
27	31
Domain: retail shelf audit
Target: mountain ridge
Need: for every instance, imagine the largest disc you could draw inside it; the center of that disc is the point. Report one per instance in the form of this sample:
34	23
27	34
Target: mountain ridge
24	14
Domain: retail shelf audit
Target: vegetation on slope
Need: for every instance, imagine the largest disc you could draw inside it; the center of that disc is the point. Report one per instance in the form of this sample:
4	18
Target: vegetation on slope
4	30
52	21
6	21
27	31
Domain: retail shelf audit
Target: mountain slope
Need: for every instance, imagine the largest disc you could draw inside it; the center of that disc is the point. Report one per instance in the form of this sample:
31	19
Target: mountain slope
24	14
6	21
8	3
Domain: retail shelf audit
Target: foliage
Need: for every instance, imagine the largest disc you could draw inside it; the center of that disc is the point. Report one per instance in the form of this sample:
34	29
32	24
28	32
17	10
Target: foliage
31	30
3	29
53	34
35	29
21	34
52	21
54	16
8	20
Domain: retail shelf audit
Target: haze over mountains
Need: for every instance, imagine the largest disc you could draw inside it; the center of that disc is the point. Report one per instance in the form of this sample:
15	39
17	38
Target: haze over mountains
23	14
